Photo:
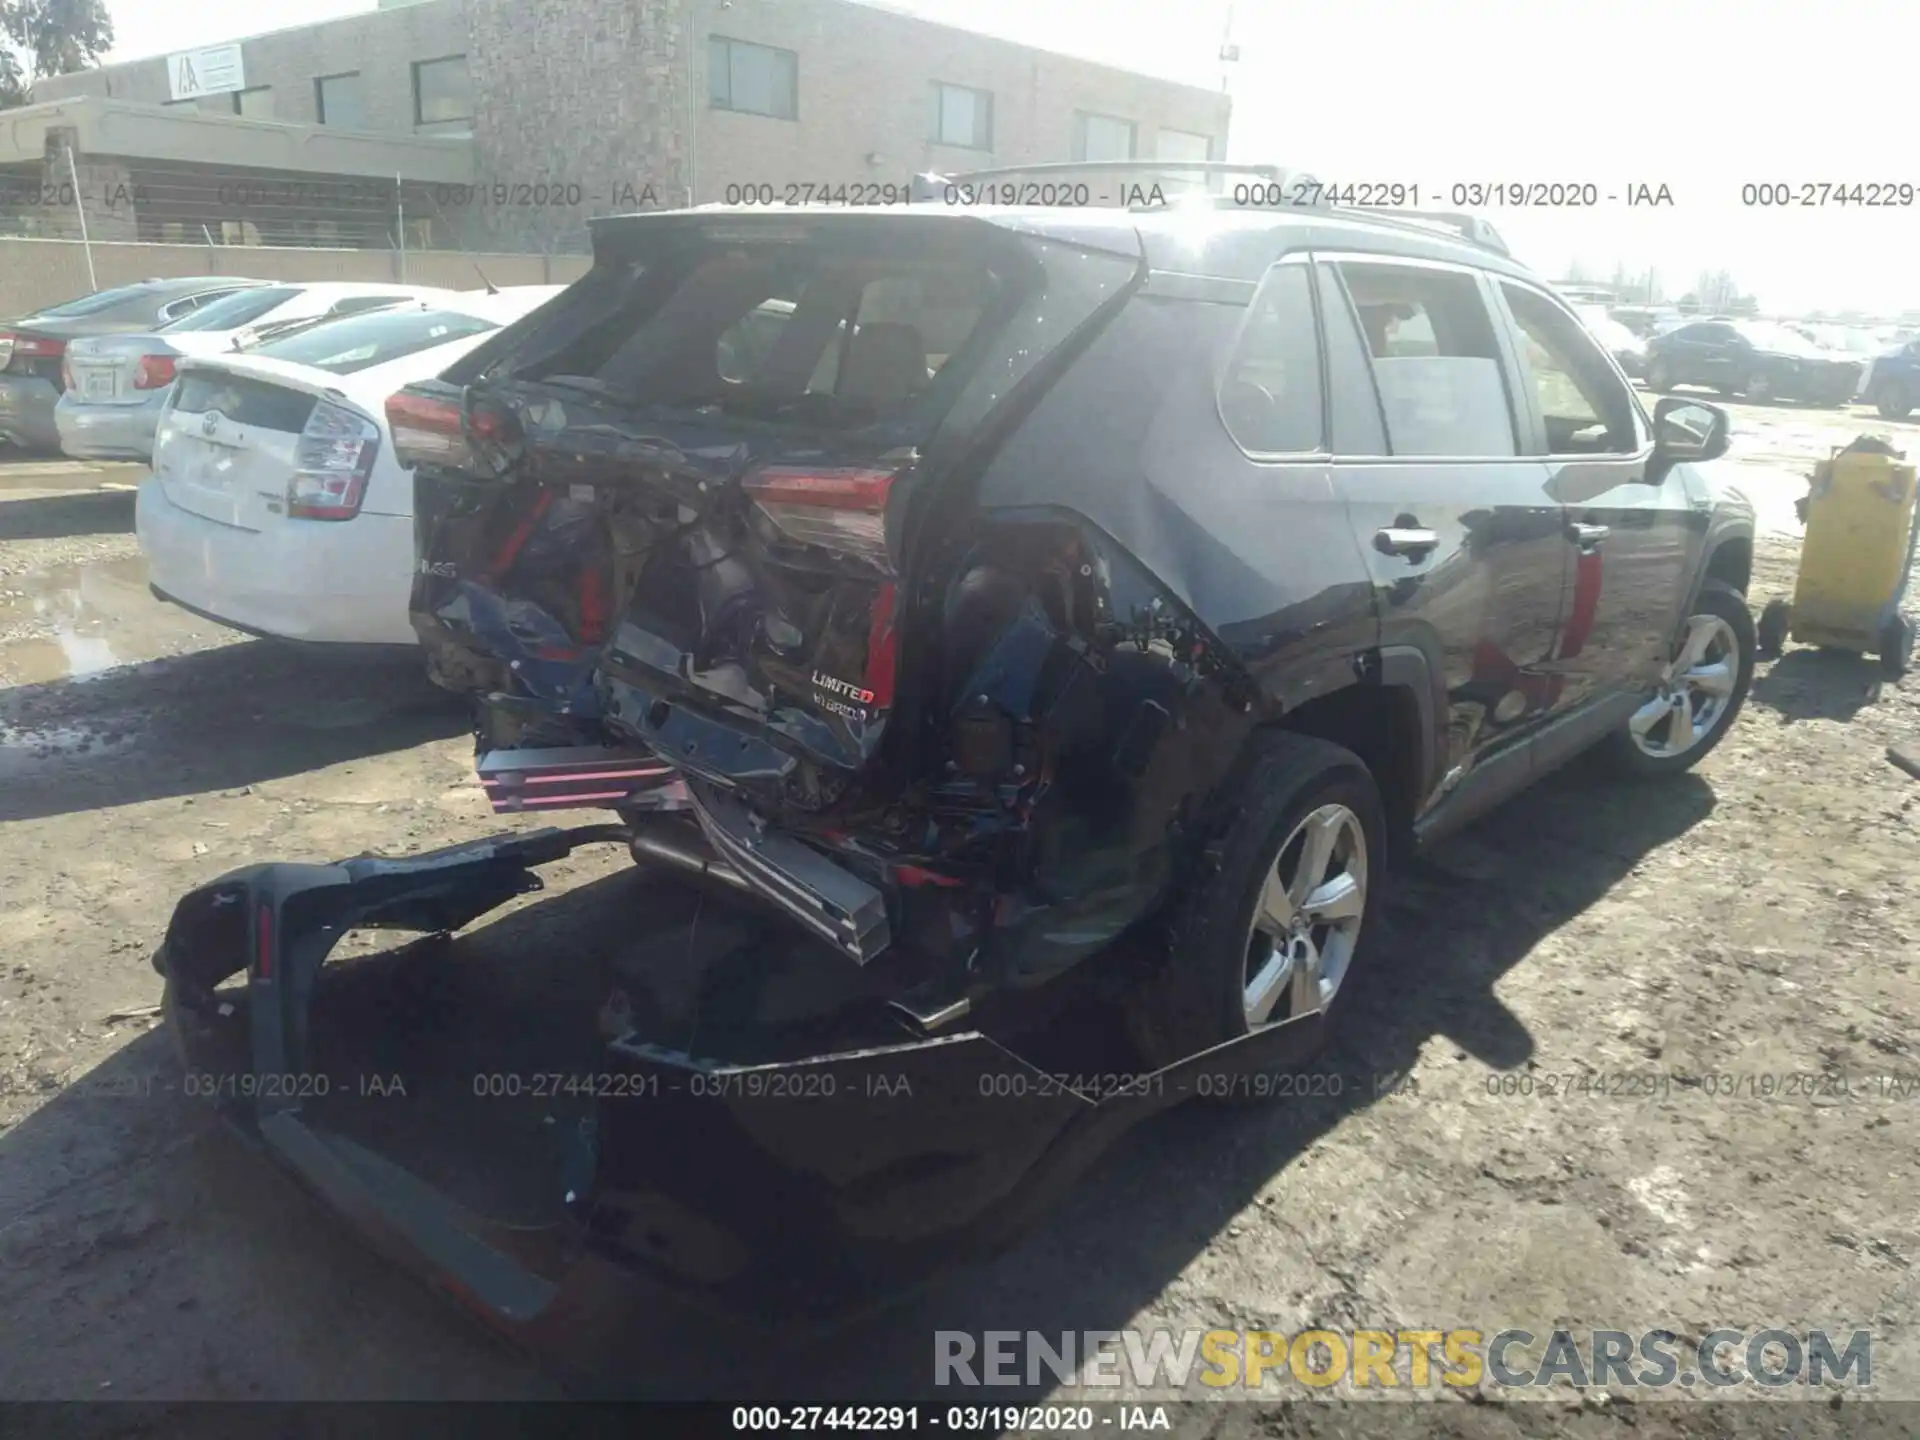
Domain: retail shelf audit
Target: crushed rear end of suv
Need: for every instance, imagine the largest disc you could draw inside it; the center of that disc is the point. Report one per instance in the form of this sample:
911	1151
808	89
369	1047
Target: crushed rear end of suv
1037	628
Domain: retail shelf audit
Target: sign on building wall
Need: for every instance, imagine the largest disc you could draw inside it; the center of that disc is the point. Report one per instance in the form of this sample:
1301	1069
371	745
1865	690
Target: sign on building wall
212	71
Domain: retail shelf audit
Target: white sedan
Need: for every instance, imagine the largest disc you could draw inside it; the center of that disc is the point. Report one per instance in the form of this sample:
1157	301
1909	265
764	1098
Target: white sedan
275	505
114	387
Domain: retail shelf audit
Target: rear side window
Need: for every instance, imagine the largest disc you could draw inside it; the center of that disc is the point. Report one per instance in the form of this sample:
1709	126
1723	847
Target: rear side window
363	341
1586	409
127	297
1435	361
243	307
1270	393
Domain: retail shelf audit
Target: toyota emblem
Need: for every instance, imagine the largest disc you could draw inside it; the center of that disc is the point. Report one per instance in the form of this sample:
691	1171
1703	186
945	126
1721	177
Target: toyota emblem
210	423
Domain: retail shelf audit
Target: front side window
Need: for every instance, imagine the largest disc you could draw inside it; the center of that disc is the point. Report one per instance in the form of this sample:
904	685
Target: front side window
755	79
962	116
442	94
1435	361
1270	393
1586	408
1102	137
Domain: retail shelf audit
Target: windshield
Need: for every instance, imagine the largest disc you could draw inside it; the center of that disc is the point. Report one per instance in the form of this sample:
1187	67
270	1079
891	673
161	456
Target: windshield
1779	338
362	341
230	312
1608	331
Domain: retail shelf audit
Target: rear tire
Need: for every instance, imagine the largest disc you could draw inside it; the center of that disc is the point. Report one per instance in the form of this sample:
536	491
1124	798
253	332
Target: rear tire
1758	389
1651	743
1896	646
1659	377
1304	811
1896	404
1770	635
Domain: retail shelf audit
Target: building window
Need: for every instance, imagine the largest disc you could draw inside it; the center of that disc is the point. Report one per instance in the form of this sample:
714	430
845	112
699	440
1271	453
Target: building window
1102	137
441	94
337	101
1182	145
962	116
257	102
756	79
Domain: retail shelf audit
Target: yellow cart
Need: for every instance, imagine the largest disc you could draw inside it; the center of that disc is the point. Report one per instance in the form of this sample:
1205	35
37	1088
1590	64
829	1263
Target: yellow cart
1862	532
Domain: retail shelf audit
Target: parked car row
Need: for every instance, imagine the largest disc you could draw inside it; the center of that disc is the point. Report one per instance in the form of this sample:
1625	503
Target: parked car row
1758	360
261	406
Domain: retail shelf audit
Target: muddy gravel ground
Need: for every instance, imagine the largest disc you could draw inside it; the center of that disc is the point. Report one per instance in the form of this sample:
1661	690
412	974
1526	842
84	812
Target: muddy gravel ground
1760	918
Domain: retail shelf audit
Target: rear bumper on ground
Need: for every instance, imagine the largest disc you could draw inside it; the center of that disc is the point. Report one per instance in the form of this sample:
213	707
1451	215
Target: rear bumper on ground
796	1191
108	432
26	411
329	582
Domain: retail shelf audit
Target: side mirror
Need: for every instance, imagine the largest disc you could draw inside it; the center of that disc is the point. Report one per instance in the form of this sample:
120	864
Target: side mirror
1687	432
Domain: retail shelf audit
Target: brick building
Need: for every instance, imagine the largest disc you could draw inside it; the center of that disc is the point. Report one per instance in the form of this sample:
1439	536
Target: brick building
571	108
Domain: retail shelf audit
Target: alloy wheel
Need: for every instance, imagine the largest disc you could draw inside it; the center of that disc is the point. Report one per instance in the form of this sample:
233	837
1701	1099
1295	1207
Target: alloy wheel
1694	693
1306	922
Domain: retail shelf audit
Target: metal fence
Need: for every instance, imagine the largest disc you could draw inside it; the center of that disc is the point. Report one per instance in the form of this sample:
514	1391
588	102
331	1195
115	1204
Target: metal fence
37	273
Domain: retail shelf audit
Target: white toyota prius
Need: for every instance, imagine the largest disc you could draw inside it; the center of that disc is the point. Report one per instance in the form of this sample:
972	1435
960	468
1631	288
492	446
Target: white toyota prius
275	505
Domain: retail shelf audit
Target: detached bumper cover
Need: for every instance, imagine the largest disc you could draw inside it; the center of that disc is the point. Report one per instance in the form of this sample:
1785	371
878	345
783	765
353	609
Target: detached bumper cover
801	1191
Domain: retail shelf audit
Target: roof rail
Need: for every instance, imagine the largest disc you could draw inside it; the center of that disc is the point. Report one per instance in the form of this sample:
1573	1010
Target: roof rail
931	185
1470	228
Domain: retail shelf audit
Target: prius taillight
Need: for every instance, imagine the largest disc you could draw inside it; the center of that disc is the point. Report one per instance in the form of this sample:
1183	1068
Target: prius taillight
843	509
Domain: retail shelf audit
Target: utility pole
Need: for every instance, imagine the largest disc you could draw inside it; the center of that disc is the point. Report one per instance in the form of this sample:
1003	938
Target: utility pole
73	174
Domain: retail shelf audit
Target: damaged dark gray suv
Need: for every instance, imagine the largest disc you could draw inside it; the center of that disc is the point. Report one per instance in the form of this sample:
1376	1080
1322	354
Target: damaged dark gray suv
1016	599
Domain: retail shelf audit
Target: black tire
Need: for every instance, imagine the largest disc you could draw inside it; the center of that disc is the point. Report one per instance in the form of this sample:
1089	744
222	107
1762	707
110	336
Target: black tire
1194	998
1770	635
1896	646
1659	377
1896	404
1722	601
1758	388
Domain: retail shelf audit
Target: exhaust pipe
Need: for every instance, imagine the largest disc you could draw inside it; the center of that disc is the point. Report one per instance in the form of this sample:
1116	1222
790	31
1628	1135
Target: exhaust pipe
662	847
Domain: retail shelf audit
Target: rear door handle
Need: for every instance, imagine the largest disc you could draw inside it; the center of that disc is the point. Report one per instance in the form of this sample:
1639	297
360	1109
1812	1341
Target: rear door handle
1587	537
1411	543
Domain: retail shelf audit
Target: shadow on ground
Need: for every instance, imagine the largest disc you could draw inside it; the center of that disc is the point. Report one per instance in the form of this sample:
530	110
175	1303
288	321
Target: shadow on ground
97	512
210	720
1143	1212
1811	684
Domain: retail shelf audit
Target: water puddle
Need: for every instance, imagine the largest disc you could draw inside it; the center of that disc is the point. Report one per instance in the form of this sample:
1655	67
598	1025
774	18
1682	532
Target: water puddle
75	621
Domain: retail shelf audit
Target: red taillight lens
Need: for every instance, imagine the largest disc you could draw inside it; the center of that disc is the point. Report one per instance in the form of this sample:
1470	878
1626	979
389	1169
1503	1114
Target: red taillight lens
426	431
332	463
839	509
38	345
155	372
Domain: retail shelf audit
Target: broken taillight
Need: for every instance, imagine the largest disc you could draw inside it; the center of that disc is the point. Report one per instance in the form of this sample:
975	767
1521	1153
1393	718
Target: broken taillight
428	430
843	509
332	463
